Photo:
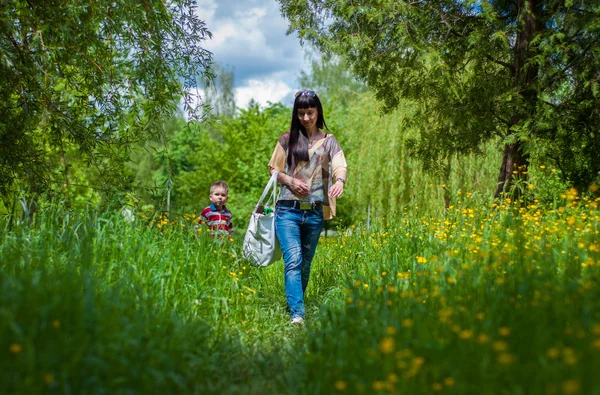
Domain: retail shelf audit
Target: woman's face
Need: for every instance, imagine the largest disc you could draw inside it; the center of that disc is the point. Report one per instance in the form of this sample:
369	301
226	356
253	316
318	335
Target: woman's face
308	117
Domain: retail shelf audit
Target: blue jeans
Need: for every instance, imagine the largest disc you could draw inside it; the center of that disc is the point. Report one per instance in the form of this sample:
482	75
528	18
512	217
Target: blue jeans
298	233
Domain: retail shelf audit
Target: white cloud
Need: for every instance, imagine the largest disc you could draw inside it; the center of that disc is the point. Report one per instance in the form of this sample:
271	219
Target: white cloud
206	9
262	91
249	37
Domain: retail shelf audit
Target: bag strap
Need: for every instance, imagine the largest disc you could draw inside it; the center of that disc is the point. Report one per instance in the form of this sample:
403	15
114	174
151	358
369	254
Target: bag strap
272	184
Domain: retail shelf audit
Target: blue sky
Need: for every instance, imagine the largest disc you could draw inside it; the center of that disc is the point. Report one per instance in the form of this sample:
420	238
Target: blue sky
249	37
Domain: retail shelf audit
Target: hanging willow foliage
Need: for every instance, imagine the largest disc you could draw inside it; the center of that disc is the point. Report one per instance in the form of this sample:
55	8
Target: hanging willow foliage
91	77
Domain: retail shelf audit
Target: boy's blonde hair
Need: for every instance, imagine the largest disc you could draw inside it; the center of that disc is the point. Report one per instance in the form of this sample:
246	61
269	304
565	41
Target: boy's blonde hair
219	184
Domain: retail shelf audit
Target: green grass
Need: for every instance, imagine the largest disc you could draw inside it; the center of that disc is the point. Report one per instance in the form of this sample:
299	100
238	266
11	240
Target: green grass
480	299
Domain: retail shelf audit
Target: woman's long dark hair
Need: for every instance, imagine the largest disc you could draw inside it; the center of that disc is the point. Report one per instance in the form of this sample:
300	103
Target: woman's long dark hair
298	143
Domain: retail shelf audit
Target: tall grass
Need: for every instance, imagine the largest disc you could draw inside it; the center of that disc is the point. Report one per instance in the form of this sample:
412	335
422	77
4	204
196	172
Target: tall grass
92	304
482	299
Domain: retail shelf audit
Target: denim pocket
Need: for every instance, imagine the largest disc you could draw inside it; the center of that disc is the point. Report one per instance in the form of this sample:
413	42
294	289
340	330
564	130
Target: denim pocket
279	209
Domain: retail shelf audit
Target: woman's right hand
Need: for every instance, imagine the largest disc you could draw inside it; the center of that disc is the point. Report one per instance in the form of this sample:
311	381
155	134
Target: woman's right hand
298	187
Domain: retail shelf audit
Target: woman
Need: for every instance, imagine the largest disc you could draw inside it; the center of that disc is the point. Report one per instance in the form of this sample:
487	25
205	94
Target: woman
312	171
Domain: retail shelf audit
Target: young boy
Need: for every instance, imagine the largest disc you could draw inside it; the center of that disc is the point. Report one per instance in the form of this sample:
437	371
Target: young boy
217	217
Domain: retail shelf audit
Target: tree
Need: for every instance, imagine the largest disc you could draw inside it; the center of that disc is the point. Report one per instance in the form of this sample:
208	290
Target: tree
526	71
94	75
233	149
219	92
333	80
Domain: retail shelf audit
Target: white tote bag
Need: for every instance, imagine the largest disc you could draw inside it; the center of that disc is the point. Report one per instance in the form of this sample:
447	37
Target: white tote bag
261	246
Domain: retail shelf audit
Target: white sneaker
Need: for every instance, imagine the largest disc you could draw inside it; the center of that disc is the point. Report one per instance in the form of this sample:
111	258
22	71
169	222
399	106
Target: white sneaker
298	320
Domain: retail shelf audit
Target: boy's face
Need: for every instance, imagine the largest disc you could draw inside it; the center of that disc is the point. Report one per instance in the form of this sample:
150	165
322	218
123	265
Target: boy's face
218	197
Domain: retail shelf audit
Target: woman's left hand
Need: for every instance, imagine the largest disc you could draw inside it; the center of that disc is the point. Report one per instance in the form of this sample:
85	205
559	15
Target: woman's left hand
336	190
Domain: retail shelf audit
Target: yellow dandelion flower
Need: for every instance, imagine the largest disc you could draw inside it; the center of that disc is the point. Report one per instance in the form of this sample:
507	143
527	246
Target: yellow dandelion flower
341	385
482	338
465	334
572	194
48	378
387	345
392	378
552	353
449	381
571	386
56	324
418	361
15	348
407	323
505	358
378	385
499	345
596	343
437	387
504	331
570	359
390	330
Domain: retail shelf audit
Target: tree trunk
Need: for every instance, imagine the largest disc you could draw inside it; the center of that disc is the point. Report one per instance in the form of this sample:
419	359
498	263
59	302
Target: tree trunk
406	177
514	161
447	195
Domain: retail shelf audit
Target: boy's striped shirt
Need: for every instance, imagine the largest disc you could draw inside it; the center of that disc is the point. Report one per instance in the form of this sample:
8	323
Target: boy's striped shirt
218	222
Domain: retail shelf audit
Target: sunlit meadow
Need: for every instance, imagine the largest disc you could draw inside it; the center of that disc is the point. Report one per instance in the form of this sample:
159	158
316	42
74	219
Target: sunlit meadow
488	297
